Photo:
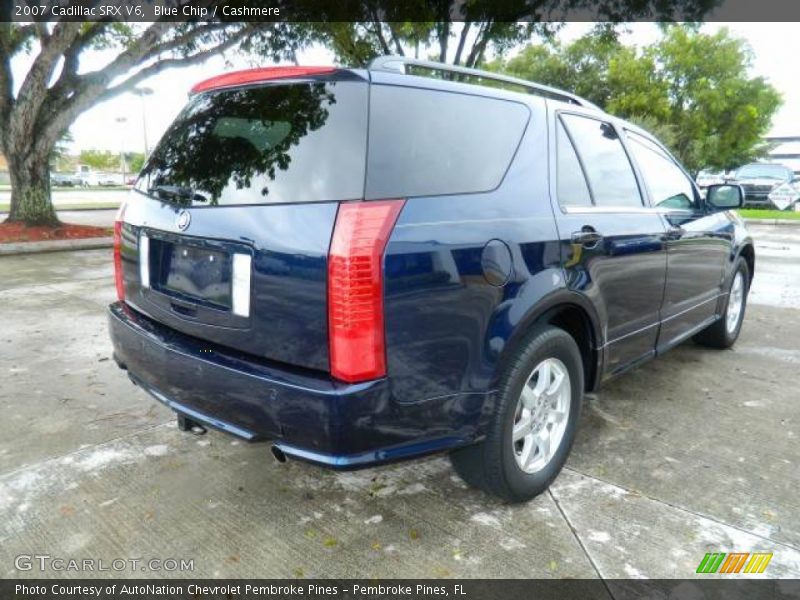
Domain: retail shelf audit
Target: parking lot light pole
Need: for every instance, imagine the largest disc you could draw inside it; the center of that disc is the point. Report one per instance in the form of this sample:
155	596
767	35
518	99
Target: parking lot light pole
142	92
122	121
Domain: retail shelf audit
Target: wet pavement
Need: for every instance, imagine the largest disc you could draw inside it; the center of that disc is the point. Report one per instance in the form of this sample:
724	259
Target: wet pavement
695	452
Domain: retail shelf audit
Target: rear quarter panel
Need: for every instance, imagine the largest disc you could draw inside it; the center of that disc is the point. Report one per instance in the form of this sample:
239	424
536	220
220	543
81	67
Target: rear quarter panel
446	325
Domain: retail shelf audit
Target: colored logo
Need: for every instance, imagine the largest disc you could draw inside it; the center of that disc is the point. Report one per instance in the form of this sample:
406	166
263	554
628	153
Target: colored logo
731	563
184	218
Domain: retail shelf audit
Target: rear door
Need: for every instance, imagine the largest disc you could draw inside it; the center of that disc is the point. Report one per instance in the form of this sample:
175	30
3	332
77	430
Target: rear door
227	233
697	243
613	250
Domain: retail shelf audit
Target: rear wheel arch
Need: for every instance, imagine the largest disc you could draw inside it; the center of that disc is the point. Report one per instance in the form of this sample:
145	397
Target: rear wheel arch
748	252
569	313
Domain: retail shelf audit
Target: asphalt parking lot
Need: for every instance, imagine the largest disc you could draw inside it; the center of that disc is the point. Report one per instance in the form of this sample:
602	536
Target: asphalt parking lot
696	452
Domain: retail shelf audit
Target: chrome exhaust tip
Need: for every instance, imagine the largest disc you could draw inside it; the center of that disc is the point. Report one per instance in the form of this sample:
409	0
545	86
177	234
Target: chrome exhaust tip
279	455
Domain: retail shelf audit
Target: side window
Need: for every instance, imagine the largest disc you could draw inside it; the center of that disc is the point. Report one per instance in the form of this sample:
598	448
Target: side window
668	185
426	142
607	166
572	188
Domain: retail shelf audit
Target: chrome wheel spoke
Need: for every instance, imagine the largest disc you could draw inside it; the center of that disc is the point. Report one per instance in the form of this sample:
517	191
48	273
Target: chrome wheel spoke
526	453
558	376
543	445
543	383
556	417
528	398
522	427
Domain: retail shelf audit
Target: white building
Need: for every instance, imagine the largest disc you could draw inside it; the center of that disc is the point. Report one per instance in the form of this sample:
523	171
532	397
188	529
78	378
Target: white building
786	151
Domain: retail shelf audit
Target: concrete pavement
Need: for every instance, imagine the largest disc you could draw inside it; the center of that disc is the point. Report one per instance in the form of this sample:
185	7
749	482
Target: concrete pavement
695	452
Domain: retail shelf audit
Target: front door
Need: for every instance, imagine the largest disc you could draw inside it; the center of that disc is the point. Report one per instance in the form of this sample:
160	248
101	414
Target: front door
613	244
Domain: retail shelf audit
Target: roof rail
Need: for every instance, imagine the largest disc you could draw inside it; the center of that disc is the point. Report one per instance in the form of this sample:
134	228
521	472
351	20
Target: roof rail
398	64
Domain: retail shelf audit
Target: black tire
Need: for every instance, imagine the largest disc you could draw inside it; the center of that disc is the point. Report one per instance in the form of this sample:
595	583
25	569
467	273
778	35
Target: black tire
491	464
717	335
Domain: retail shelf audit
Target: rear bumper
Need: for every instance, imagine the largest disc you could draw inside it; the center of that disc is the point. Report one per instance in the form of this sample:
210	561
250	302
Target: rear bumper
308	415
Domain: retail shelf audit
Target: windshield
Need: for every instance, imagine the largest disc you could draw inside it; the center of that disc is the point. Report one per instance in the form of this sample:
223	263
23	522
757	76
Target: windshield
763	172
263	145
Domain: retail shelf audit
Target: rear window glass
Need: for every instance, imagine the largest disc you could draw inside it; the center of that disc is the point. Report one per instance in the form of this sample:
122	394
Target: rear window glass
263	145
426	143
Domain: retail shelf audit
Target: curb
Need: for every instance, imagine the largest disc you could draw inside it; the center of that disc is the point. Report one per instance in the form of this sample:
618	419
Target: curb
88	207
56	246
778	222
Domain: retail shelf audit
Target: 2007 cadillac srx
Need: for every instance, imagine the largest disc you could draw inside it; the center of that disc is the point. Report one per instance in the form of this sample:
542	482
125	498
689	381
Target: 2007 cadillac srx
368	265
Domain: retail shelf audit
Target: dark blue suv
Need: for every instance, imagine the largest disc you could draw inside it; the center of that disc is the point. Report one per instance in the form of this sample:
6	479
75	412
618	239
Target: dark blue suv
369	265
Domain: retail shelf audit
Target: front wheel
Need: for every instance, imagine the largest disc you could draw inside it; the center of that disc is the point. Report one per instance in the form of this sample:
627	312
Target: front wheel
534	421
724	332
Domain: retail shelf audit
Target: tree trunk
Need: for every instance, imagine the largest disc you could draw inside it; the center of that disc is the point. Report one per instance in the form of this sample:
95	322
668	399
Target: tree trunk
30	187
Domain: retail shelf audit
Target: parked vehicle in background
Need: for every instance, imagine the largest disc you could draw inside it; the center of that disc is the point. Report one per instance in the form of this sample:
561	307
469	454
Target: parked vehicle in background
365	266
86	176
707	177
759	179
64	180
108	179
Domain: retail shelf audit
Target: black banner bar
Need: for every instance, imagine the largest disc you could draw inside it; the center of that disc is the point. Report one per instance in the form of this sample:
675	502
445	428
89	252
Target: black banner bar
410	589
133	11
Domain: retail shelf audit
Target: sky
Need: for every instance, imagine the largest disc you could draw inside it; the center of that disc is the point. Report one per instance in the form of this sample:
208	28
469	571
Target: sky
119	124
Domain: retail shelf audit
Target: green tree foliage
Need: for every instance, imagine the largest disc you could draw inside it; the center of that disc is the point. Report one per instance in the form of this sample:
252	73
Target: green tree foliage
100	160
691	89
105	160
58	156
466	44
135	161
37	108
467	32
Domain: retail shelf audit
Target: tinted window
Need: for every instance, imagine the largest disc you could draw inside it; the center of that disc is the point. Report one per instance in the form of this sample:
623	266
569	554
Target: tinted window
261	145
607	166
668	185
425	142
572	188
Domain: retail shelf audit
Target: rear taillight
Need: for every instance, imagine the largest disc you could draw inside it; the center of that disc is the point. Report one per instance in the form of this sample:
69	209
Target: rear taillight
118	253
355	289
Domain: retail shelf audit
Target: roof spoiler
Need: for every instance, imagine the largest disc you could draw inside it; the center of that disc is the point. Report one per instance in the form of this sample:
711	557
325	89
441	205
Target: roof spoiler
256	76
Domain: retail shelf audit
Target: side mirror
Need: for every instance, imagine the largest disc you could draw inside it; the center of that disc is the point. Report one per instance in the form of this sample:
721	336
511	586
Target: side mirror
724	196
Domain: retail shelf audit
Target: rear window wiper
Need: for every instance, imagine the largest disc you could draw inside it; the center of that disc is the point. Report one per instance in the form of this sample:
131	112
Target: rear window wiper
176	192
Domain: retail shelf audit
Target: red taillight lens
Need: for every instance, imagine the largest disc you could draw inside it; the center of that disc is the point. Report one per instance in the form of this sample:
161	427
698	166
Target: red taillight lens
118	254
355	289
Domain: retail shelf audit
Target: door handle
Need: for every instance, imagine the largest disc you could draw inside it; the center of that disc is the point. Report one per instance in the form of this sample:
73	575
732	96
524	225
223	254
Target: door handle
674	232
587	237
